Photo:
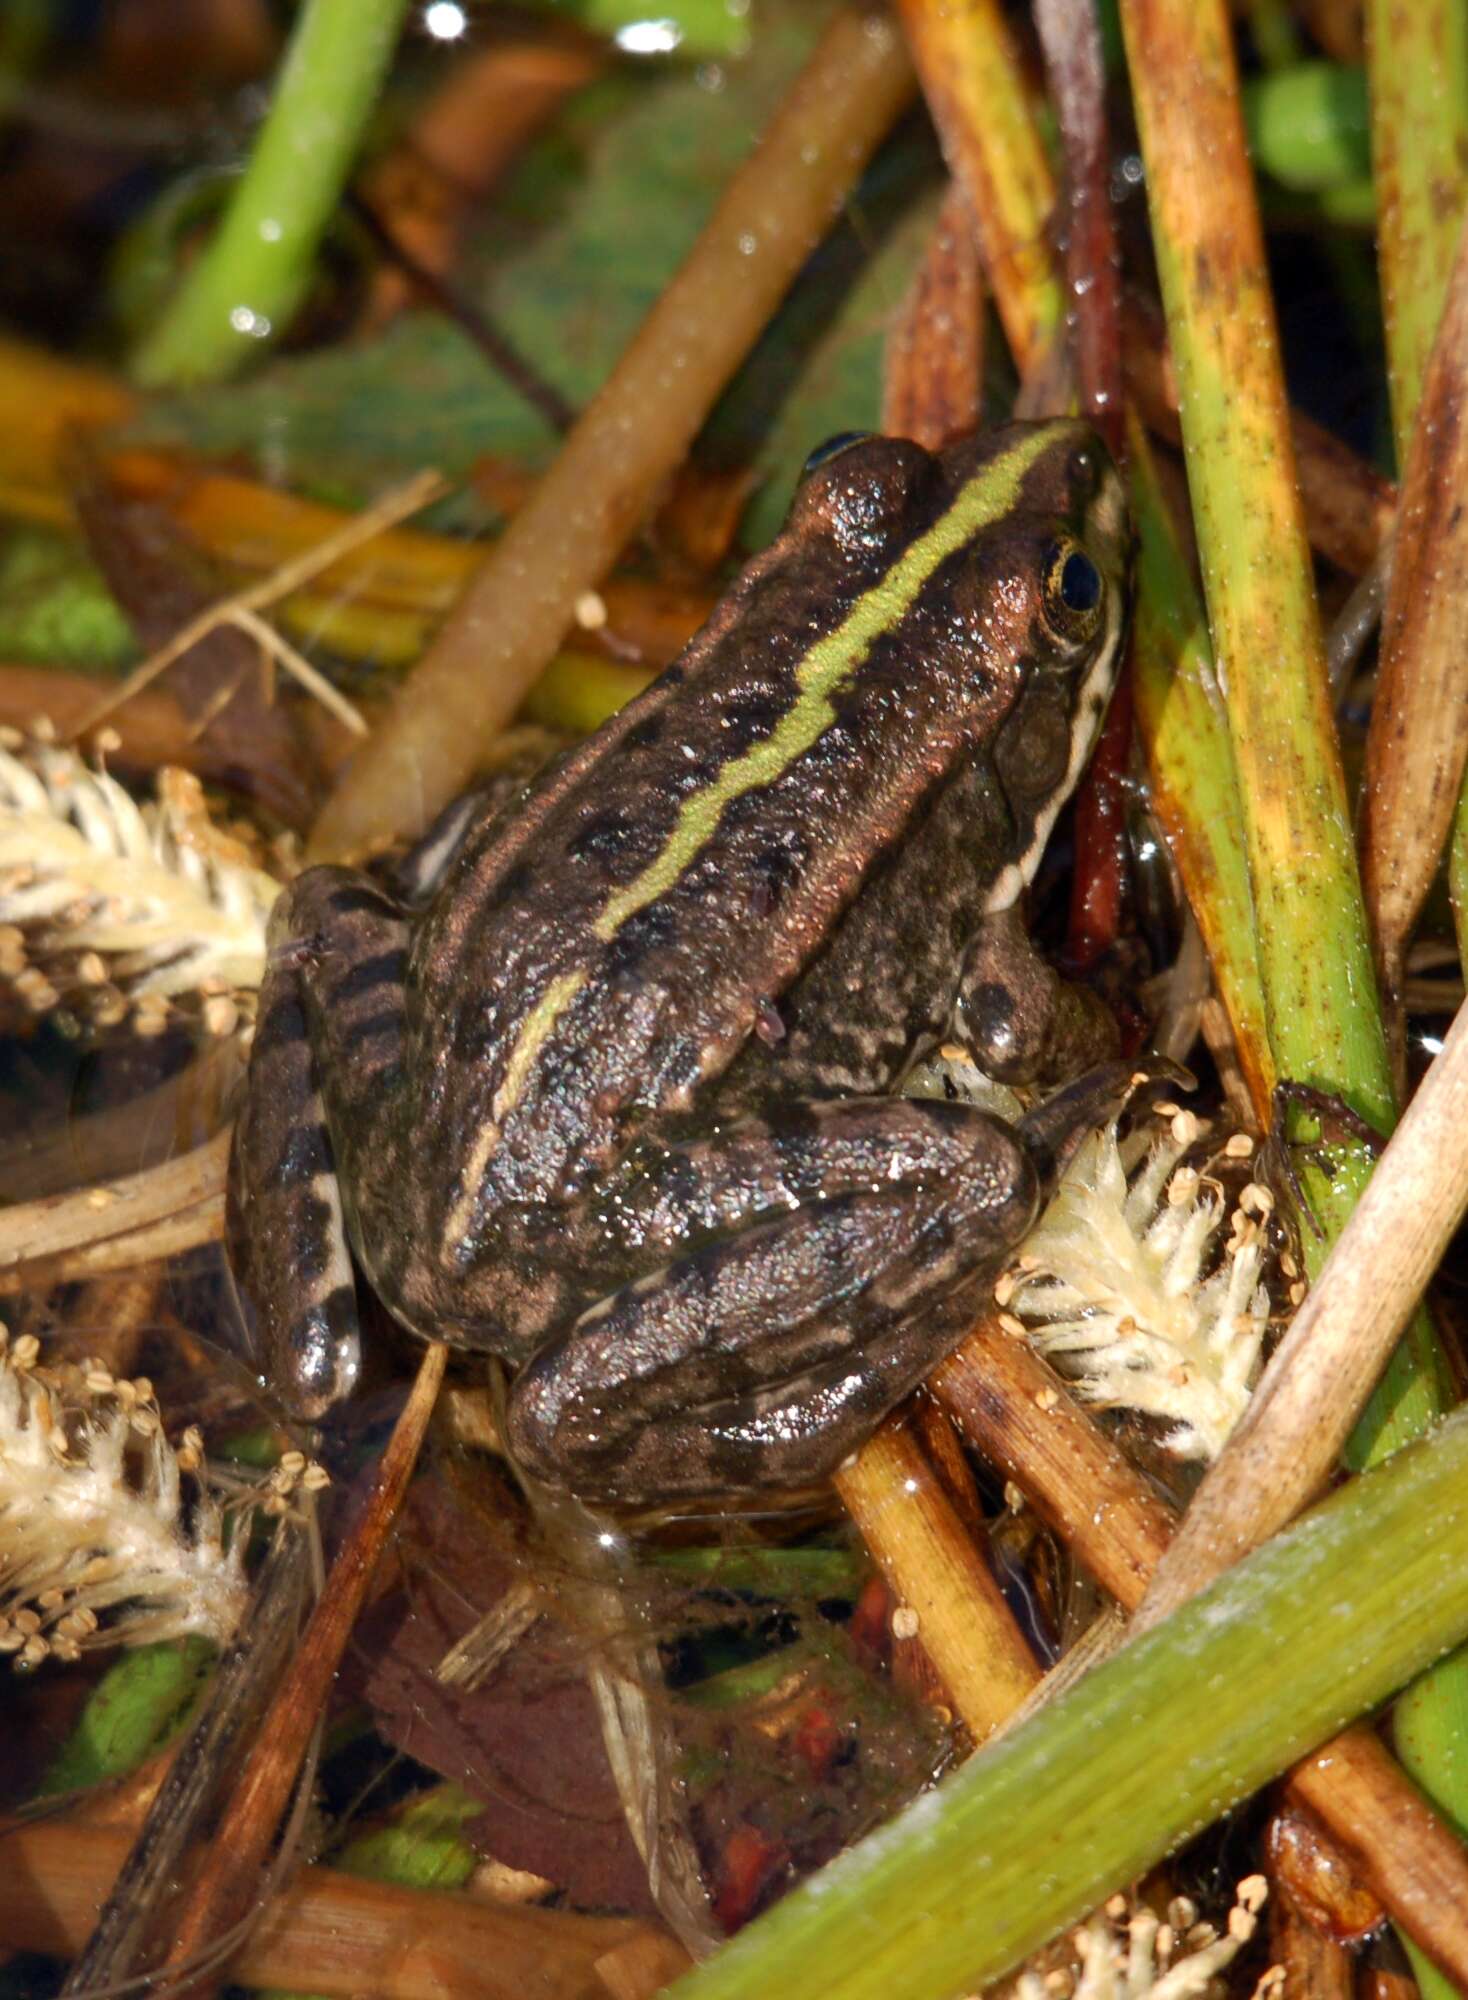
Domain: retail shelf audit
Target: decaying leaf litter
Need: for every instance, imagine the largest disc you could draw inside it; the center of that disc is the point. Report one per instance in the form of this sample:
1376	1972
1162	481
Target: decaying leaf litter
593	334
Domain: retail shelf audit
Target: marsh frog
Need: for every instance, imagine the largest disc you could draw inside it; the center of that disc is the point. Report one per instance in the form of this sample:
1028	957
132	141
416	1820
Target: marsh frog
605	1086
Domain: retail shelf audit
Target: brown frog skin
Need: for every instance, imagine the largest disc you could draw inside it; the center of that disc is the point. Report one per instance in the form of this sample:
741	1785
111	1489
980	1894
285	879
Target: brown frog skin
605	1087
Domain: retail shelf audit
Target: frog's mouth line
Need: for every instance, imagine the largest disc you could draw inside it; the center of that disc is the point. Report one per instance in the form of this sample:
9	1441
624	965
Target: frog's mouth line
1091	700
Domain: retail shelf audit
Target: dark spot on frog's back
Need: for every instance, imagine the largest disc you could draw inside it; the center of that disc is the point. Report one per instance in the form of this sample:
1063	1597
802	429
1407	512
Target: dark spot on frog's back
603	837
638	936
510	889
774	869
315	1247
645	734
282	1024
747	719
331	1319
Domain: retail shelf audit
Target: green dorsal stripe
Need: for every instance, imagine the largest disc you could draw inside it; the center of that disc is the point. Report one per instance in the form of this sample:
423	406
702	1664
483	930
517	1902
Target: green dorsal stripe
824	671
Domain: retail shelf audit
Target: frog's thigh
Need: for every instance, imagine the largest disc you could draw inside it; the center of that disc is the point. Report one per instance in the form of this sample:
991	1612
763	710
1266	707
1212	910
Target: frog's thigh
766	1355
329	1009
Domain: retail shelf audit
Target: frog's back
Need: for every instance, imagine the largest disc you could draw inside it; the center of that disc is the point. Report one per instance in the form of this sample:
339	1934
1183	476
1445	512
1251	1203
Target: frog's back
602	956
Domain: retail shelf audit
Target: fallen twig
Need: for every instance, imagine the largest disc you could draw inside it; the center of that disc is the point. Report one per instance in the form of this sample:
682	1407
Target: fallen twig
947	1596
349	1935
227	1880
122	1217
410	498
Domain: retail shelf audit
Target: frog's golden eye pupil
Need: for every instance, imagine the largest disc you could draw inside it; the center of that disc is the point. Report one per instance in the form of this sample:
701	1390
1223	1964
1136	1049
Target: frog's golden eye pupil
1080	583
1073	591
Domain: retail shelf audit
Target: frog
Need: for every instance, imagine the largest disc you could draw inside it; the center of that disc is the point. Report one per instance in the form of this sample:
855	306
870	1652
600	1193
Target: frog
604	1082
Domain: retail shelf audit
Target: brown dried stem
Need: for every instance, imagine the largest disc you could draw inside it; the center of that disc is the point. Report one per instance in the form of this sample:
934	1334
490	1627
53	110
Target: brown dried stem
1012	1407
347	1935
940	1578
1417	744
112	1226
228	1878
631	437
935	347
1071	39
1312	1963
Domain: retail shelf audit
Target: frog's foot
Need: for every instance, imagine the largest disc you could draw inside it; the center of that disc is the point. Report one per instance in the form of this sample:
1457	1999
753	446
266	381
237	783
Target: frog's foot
1053	1130
287	1245
329	1006
761	1358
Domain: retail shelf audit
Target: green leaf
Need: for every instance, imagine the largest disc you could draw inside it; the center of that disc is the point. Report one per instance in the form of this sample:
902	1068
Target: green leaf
54	607
135	1708
582	238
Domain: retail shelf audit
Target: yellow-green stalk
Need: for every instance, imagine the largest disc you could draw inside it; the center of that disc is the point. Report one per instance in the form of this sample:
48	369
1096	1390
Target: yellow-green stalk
1139	1755
1315	959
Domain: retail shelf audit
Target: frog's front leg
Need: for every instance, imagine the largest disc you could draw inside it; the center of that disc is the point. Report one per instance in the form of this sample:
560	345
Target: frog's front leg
1023	1022
326	1051
762	1356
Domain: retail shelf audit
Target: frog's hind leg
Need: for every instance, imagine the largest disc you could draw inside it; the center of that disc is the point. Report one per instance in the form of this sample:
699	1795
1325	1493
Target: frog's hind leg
330	1008
764	1354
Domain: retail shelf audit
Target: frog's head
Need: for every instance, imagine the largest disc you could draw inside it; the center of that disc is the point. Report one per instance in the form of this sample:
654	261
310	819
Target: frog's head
984	588
1056	568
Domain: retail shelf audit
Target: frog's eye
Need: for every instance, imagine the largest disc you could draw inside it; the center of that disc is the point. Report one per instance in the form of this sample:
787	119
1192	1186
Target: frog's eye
1072	589
832	448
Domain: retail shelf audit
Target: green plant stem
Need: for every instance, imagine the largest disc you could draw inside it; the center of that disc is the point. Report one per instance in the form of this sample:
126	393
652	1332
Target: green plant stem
1458	872
1035	1830
1417	63
1319	983
1417	66
1325	1027
247	284
1195	789
977	93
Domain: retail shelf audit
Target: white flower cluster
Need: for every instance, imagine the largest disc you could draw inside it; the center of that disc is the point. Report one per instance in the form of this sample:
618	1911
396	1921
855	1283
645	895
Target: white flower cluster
1141	1960
99	1544
109	908
1125	1285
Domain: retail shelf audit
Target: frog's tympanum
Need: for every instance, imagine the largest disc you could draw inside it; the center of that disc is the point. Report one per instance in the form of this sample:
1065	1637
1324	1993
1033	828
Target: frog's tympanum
613	1096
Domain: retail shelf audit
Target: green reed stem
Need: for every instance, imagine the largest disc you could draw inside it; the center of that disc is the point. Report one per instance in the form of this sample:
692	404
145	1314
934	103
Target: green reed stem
1195	790
1417	65
1320	990
1098	1785
247	284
